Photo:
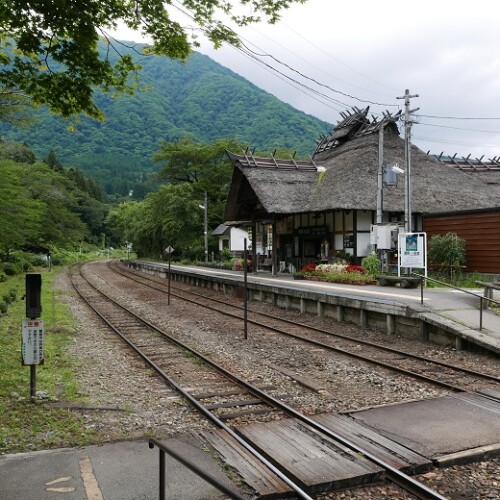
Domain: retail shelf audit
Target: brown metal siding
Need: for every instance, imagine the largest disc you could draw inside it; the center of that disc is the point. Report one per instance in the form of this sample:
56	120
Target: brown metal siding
480	230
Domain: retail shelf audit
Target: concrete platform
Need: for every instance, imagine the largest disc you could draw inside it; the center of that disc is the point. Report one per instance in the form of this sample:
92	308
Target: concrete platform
119	471
447	316
463	424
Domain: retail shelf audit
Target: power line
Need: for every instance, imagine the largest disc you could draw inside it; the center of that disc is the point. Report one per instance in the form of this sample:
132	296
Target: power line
317	67
456	117
338	60
265	54
460	128
461	143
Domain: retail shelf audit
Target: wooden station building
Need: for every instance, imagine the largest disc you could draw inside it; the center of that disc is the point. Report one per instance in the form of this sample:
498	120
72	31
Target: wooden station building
304	211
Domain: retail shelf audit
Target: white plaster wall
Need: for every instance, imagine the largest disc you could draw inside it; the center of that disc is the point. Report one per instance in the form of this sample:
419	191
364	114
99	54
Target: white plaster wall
237	239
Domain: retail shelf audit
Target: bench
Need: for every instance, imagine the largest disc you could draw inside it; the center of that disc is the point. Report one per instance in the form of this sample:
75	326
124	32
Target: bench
488	290
403	281
267	264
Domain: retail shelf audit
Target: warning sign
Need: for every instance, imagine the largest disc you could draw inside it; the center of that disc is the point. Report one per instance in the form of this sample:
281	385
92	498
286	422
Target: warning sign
32	342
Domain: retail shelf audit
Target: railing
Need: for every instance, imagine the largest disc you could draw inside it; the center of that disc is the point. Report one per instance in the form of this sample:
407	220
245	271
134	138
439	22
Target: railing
481	297
192	467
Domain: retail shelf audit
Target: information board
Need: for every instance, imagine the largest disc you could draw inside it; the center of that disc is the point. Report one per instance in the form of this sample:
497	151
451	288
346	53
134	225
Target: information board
32	341
412	250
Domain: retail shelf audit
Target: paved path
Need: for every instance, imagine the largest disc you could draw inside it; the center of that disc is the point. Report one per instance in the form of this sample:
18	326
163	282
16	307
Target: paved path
117	471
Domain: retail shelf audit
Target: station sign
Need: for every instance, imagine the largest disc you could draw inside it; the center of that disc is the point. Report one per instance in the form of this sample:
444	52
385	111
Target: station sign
33	331
412	251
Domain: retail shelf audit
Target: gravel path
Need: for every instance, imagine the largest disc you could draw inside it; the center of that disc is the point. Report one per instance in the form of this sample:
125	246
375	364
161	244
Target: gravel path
109	376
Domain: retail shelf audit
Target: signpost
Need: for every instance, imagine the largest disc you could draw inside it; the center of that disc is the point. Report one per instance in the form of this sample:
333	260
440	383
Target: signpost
33	330
412	251
169	251
245	289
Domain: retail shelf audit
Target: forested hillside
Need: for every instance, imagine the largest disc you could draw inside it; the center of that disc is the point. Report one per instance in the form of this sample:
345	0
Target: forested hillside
45	205
199	99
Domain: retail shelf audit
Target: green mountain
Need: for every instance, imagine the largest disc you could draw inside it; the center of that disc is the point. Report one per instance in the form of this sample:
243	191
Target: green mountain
199	98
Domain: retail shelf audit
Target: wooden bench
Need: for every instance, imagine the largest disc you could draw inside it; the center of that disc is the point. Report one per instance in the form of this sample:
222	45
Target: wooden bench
488	290
267	264
403	281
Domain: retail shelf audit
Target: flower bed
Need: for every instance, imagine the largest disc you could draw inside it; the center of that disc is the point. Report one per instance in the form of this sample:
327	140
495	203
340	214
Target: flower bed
336	273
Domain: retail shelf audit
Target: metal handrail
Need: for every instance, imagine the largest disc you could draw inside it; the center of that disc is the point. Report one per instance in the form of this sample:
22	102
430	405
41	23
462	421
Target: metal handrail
192	467
481	297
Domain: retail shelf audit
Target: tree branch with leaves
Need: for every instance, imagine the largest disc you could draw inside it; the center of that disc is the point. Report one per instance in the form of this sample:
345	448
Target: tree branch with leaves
49	50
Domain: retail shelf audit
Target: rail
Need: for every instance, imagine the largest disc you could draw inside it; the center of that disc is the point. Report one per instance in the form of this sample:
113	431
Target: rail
163	448
481	298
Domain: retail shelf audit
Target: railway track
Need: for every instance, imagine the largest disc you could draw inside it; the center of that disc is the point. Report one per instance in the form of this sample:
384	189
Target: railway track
432	371
182	368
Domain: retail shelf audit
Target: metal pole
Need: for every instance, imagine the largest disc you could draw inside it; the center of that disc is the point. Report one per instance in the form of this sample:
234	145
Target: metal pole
206	227
408	123
380	176
32	381
168	295
245	290
480	313
421	289
162	475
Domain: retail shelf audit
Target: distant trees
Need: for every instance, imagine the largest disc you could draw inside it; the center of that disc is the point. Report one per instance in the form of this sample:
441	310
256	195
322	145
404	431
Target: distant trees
45	206
172	215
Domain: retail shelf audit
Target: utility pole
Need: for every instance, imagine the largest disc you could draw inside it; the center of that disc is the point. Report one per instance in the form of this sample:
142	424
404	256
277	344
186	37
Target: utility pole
380	175
206	227
408	124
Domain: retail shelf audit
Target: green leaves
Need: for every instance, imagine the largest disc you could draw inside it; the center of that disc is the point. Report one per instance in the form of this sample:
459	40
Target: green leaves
56	59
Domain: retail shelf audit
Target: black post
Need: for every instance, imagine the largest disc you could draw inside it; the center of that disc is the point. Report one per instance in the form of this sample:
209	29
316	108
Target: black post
32	381
245	289
169	258
480	313
162	475
421	289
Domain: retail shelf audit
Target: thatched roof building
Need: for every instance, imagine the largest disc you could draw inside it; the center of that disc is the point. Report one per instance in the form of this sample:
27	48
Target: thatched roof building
262	187
336	191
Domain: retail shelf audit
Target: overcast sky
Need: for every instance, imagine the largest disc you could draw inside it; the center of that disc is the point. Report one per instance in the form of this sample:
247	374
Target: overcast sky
447	52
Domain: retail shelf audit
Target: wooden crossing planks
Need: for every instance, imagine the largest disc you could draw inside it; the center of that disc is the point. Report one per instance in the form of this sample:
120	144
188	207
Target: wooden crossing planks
255	474
387	450
314	462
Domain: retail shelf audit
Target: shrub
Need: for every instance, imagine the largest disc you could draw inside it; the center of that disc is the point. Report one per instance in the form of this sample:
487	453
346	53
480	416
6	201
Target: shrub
447	252
371	264
226	255
3	306
3	276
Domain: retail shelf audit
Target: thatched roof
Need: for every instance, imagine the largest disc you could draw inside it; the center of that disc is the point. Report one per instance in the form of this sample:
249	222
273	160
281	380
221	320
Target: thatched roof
263	186
350	181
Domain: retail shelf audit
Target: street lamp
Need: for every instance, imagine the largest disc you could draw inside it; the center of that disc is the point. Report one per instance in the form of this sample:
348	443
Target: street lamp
205	208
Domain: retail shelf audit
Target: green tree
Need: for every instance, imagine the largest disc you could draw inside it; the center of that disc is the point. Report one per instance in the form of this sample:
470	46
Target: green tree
53	162
205	166
49	50
21	214
15	108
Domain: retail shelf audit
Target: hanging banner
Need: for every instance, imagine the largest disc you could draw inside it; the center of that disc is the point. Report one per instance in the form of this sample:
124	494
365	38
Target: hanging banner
412	250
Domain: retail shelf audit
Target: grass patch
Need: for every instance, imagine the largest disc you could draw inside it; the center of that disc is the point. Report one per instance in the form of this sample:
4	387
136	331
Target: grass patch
29	425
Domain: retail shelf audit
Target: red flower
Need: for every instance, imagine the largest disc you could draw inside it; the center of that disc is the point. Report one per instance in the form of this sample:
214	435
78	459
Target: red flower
351	268
309	267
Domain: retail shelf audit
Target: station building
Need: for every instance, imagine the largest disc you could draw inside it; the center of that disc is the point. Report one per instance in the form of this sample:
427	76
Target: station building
316	210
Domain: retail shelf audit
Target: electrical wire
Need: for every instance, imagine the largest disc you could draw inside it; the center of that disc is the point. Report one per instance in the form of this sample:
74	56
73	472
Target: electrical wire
456	117
460	128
